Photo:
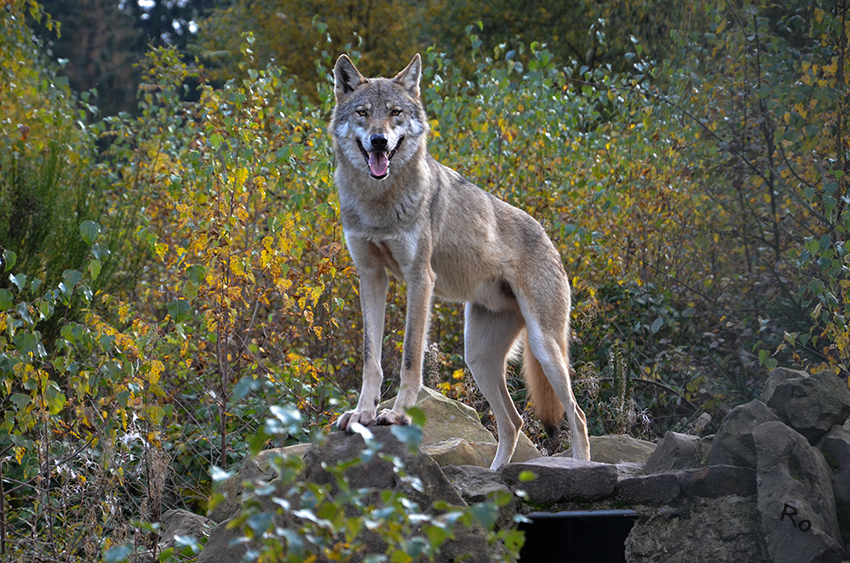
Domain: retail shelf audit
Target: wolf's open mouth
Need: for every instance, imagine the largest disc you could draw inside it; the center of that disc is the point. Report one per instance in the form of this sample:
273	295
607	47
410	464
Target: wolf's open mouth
379	161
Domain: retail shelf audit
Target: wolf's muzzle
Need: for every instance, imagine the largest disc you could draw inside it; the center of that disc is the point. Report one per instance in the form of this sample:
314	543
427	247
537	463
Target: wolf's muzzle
378	158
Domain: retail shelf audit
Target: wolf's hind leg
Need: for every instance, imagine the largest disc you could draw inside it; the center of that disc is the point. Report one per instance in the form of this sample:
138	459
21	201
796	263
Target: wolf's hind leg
549	346
488	337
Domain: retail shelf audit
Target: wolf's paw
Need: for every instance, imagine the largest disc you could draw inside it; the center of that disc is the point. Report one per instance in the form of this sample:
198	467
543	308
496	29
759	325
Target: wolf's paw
389	418
350	417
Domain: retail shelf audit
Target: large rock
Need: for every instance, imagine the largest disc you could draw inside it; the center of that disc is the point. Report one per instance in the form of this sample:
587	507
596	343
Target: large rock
675	451
561	479
734	444
835	447
254	469
795	498
453	434
613	448
177	524
721	530
810	404
478	484
378	473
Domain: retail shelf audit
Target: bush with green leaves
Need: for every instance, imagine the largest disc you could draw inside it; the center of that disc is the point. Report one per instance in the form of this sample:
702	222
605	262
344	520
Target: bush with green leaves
289	518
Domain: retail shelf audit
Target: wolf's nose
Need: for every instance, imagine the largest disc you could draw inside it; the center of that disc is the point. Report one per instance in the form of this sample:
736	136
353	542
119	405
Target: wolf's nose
379	142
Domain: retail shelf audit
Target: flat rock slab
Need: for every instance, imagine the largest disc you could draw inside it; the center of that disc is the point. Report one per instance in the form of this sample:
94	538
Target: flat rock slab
715	481
560	479
658	489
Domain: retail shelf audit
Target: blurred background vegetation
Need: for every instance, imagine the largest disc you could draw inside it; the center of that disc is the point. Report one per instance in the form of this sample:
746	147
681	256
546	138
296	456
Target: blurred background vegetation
173	264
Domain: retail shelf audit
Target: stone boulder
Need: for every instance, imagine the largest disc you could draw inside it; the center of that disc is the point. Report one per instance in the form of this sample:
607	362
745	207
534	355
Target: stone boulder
719	530
810	404
478	484
174	524
795	498
675	451
377	473
453	434
253	469
561	479
835	447
734	444
613	448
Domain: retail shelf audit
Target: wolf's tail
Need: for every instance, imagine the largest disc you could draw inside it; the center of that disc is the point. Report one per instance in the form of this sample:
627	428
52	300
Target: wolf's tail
545	402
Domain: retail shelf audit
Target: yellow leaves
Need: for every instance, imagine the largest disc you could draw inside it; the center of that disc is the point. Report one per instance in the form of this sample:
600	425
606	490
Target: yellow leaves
156	369
123	313
236	266
127	345
161	248
234	294
819	14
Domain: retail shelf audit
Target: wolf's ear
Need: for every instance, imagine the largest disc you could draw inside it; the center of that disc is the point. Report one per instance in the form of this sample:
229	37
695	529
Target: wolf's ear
409	77
346	77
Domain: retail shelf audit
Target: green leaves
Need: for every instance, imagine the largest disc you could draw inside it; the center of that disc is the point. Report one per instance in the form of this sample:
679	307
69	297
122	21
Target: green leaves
9	260
89	231
118	554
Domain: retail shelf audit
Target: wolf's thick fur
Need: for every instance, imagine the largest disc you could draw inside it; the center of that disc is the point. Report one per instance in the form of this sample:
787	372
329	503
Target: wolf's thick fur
404	213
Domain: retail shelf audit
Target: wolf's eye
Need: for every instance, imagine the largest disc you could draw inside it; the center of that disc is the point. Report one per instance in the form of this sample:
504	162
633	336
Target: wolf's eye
361	112
395	112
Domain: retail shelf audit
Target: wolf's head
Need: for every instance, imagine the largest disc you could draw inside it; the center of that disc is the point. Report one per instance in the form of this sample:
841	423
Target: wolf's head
377	121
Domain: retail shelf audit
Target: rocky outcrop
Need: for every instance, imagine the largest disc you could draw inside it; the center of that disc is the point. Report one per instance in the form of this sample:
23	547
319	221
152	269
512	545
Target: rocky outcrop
719	530
810	404
773	486
612	448
453	434
795	497
675	451
734	441
836	451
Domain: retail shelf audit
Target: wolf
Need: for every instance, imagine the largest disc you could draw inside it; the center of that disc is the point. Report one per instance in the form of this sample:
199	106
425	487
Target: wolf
405	214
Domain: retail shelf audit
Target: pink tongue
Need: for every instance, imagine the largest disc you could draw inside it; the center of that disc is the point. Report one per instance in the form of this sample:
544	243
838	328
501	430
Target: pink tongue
378	163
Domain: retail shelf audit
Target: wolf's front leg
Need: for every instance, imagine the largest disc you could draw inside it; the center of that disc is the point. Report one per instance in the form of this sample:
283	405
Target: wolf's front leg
420	288
373	297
